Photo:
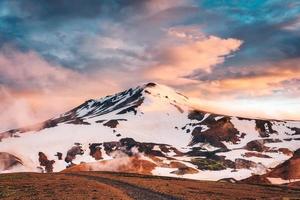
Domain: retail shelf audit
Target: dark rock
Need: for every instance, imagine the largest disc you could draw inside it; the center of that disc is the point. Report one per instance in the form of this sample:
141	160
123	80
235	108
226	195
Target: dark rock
255	154
78	121
71	154
150	85
59	155
297	131
111	123
95	150
256	145
222	130
264	128
196	115
48	164
244	164
100	121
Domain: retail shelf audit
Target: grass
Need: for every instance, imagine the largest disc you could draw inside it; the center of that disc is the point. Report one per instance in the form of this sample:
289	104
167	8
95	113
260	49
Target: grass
208	164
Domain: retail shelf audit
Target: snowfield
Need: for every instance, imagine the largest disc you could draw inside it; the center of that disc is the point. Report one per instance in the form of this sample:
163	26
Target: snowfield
157	125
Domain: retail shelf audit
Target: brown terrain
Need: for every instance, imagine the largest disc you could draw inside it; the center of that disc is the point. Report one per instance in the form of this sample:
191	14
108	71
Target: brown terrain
110	185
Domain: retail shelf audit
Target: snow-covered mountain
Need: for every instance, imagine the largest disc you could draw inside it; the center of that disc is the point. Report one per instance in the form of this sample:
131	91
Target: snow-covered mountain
150	129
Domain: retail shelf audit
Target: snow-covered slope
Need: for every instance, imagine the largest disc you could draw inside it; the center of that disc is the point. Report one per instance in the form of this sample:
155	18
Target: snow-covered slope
150	129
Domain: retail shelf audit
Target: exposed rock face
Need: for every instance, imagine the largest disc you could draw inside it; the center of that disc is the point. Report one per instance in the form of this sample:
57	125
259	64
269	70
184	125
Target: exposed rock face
289	169
254	154
244	164
71	154
256	145
196	115
264	128
95	151
48	164
161	126
59	155
222	130
78	121
113	123
150	84
129	146
286	151
296	130
8	161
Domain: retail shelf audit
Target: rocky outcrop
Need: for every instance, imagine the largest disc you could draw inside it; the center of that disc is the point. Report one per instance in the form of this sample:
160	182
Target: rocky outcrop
113	123
256	145
71	153
44	162
244	164
59	155
255	154
286	151
95	151
264	128
78	121
289	169
221	130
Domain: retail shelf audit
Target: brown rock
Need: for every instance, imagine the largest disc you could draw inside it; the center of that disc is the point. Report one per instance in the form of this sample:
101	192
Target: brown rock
255	154
48	164
71	154
256	145
286	151
244	164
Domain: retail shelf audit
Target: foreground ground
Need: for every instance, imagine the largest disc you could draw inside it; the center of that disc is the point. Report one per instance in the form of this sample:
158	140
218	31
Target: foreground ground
106	185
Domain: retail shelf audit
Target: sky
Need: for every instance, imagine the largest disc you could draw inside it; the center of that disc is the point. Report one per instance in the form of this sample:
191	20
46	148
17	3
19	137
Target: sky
238	57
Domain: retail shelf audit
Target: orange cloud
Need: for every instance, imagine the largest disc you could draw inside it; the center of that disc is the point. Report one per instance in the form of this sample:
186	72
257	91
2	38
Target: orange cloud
179	60
267	78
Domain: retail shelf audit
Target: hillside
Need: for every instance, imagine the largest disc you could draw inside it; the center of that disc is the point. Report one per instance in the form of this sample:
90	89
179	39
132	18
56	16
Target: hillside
150	129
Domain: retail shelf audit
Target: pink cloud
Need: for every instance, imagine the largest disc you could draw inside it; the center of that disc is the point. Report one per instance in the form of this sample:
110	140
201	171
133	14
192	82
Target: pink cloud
32	89
28	70
186	51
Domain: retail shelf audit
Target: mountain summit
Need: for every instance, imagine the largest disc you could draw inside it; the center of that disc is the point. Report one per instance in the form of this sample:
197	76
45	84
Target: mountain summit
152	129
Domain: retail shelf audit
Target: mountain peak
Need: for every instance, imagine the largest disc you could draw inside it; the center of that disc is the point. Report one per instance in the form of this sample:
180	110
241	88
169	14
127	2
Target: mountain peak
150	84
154	122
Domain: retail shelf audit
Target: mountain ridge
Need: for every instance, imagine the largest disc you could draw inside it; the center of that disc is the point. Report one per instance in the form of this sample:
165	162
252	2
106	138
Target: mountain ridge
152	127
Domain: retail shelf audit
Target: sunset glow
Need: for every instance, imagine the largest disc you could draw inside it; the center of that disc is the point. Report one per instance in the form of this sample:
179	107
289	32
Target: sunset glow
239	58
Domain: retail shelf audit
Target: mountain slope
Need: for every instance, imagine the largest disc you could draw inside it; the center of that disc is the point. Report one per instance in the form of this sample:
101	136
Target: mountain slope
150	129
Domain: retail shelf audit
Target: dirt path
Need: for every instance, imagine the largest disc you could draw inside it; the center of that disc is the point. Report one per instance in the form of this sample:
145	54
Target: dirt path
131	190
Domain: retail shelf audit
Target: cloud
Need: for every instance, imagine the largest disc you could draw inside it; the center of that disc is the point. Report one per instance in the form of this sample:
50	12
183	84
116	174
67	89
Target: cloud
65	52
32	89
249	81
191	51
23	71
